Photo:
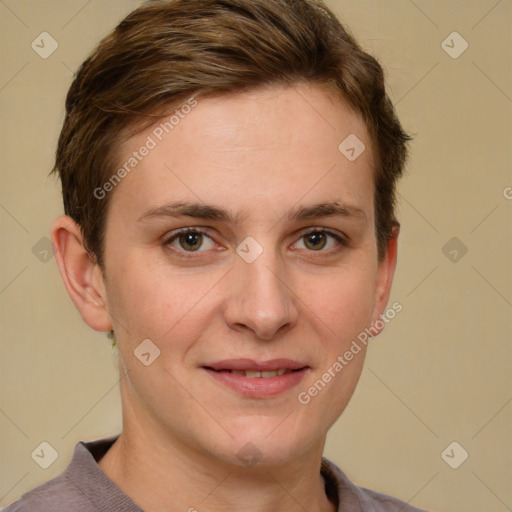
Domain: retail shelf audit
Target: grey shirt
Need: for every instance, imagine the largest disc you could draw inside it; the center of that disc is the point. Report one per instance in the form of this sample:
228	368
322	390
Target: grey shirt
83	487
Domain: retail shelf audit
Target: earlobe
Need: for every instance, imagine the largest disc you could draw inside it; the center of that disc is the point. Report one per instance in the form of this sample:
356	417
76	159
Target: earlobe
385	274
80	273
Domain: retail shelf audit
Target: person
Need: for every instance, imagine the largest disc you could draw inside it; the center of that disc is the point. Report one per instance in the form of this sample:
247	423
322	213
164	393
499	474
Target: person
228	172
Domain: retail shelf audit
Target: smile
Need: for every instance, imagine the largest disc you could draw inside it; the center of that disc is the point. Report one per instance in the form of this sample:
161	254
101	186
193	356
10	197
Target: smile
258	379
253	375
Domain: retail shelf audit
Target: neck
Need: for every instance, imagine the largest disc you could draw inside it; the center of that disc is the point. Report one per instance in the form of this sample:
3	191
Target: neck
160	473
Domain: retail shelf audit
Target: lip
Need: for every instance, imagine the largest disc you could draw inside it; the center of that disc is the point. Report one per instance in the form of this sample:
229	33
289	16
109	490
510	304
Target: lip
258	387
255	366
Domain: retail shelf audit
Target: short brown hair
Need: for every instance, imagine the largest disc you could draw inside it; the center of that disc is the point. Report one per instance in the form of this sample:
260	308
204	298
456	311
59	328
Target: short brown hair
167	51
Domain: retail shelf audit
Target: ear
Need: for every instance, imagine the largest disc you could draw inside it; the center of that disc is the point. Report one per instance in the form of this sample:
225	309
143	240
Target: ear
385	274
81	274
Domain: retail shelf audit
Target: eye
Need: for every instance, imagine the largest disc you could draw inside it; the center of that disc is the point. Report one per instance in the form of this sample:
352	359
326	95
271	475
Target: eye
190	240
316	240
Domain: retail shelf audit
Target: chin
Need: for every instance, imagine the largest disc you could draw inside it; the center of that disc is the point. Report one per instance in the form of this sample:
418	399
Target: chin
265	443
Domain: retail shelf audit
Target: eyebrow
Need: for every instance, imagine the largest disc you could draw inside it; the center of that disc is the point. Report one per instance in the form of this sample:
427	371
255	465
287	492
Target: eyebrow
215	213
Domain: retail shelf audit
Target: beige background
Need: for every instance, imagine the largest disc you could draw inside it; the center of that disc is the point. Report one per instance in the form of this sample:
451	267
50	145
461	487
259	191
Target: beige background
441	370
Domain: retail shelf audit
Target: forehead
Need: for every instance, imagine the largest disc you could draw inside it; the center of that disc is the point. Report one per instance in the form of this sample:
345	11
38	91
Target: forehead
262	148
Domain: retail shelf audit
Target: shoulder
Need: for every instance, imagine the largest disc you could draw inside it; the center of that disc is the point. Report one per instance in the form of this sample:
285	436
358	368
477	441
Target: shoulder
384	502
351	497
82	487
55	495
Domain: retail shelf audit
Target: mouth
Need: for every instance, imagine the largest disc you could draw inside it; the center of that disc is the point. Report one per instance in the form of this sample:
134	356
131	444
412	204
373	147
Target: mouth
255	374
258	379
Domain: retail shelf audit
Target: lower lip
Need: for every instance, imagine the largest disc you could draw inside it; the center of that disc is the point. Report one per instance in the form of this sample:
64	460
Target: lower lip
259	387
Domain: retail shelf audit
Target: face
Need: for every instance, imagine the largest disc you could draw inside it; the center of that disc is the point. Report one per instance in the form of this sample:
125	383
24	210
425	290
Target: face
243	247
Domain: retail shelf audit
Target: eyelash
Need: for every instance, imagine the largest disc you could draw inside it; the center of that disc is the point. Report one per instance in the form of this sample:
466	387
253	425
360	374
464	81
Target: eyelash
192	254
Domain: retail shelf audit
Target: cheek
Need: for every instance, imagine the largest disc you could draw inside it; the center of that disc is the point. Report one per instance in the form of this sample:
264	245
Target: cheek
152	300
342	301
341	308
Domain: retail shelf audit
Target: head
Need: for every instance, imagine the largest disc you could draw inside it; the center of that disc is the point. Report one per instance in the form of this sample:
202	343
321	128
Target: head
240	107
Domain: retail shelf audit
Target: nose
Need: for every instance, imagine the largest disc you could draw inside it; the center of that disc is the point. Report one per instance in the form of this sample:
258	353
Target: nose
260	300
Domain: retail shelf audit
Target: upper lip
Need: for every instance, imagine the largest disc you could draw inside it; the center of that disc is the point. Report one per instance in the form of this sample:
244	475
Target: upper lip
256	366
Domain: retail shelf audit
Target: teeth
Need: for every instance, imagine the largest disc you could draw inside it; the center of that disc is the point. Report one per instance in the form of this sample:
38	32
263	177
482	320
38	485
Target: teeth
266	374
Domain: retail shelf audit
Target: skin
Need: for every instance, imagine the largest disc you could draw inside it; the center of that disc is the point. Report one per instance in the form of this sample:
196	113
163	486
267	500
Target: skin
259	155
